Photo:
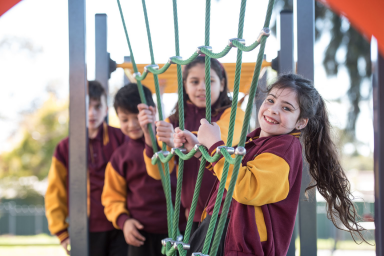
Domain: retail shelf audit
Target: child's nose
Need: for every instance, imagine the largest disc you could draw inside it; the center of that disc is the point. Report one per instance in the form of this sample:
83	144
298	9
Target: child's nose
273	110
202	85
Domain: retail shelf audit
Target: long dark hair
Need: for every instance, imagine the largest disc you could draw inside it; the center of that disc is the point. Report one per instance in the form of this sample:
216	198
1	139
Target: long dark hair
222	102
321	154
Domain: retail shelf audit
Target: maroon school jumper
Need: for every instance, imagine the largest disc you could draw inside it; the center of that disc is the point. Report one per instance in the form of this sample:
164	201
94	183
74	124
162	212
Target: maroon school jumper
100	150
242	236
145	198
193	116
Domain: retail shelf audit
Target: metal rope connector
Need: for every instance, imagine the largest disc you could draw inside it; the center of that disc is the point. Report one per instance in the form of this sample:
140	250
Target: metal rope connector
174	57
199	254
183	150
240	151
136	74
196	147
264	32
179	238
185	246
230	43
230	150
156	155
166	240
154	66
206	47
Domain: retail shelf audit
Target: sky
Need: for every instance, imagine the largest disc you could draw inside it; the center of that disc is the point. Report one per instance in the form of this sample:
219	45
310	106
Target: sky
42	25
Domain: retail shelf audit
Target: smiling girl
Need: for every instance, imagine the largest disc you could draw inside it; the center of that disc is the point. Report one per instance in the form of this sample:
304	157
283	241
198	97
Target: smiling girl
194	111
266	195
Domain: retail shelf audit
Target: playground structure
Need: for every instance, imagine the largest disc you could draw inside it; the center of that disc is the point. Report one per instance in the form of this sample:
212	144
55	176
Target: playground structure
284	63
78	138
305	66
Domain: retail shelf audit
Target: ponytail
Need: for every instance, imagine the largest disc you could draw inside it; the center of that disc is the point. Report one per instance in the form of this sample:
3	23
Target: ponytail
322	156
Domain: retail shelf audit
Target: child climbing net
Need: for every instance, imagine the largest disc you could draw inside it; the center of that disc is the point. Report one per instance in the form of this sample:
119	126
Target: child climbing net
174	243
311	111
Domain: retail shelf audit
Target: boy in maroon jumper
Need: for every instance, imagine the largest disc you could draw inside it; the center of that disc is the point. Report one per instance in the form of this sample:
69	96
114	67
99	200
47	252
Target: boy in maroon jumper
104	239
134	202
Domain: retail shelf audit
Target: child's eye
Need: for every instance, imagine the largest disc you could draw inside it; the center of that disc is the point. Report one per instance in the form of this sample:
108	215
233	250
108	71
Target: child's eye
270	100
286	108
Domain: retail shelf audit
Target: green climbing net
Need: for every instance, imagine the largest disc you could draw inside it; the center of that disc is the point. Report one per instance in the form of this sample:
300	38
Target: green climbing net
176	242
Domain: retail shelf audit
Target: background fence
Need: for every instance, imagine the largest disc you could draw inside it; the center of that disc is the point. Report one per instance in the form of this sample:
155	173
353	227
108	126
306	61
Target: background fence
31	220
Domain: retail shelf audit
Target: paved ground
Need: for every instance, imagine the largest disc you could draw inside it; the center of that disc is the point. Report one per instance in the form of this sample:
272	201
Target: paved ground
346	253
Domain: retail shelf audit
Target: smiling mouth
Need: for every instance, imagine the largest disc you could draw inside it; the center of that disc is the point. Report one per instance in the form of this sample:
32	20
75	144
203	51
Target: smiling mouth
201	97
135	130
270	120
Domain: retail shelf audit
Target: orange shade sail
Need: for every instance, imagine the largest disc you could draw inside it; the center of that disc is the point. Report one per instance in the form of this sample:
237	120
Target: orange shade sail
366	16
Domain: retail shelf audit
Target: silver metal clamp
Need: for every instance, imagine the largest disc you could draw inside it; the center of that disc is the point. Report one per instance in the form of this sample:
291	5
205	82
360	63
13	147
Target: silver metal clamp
136	74
179	238
199	254
166	240
164	153
185	246
230	150
230	43
174	57
240	151
183	150
263	32
154	66
200	47
196	147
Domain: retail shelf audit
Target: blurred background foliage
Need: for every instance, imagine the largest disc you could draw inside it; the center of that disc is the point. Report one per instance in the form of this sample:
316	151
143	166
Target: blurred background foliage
24	169
348	48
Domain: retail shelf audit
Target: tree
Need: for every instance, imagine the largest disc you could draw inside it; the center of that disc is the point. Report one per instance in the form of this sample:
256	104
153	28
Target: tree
40	131
357	54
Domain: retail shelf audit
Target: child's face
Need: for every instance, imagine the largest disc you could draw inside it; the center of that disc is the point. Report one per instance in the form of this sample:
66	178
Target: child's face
279	113
97	111
129	124
195	85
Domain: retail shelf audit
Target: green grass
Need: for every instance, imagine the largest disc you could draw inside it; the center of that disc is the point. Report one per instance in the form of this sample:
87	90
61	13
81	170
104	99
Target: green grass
38	245
38	250
42	239
45	245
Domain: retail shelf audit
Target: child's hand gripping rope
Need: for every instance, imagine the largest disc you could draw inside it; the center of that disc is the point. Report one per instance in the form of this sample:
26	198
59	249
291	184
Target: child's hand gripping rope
208	135
164	130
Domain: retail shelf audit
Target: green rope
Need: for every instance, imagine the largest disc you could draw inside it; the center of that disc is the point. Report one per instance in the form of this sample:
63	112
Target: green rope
205	155
207	52
220	192
166	181
247	118
181	125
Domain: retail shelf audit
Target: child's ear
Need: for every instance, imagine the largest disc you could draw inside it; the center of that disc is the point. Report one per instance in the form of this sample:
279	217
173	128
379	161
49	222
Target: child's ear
302	123
222	85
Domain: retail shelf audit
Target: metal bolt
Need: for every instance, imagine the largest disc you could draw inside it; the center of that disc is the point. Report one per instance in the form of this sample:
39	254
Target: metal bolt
230	43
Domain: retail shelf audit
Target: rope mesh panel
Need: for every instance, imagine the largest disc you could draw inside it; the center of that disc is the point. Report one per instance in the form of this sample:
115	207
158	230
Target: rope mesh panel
173	214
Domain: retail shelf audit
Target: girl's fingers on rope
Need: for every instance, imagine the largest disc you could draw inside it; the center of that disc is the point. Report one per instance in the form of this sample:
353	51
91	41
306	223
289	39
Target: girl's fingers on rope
185	137
165	132
208	134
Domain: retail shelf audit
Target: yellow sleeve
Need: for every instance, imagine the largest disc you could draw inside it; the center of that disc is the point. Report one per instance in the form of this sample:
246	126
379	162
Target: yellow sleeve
263	180
224	125
56	197
153	170
114	196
